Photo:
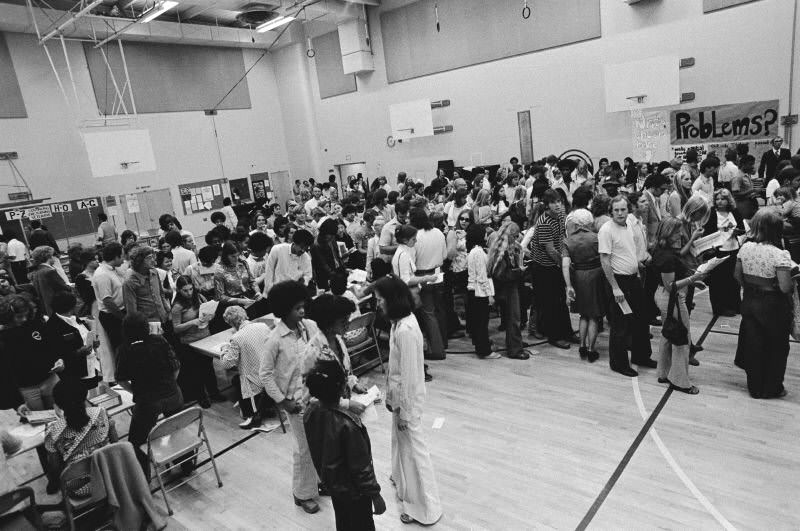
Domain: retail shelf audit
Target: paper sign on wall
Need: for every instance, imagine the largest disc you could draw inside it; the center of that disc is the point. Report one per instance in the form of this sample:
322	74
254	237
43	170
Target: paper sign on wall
132	201
650	132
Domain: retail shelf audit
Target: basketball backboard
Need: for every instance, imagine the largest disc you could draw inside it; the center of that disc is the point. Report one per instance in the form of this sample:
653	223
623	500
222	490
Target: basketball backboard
643	84
411	119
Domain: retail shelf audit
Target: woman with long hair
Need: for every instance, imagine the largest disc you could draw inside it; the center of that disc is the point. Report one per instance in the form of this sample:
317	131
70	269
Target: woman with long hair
673	360
326	260
693	218
681	191
482	208
412	469
724	217
197	378
504	267
763	269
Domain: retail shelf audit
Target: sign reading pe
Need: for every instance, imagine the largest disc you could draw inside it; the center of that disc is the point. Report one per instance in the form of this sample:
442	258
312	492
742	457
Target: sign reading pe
724	123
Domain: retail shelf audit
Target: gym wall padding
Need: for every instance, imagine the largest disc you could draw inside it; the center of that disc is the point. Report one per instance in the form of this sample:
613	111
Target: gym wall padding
11	103
169	77
478	31
330	73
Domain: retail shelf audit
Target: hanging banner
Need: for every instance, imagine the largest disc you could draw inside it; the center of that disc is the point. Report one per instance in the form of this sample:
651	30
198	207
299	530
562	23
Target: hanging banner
718	149
650	133
756	120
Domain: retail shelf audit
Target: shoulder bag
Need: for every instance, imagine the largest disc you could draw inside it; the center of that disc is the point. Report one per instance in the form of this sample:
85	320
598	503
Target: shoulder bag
673	328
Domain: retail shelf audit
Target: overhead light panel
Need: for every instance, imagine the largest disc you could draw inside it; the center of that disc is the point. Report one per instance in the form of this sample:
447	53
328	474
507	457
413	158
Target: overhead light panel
274	23
157	10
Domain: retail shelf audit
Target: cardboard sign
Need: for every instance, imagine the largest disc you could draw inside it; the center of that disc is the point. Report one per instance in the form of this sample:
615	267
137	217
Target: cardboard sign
725	123
85	204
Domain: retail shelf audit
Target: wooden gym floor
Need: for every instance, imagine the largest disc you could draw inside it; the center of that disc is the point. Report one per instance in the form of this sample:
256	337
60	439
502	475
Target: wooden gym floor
548	443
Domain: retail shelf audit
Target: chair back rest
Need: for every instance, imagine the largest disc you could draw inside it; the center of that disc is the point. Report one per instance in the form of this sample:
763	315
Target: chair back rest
11	499
178	421
359	329
77	469
362	321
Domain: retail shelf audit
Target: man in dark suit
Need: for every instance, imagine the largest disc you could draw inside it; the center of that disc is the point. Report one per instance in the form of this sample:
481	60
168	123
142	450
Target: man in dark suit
771	158
39	236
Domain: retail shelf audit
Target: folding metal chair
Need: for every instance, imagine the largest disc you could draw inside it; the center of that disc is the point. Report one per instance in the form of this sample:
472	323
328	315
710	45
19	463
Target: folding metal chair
360	337
27	518
173	441
76	507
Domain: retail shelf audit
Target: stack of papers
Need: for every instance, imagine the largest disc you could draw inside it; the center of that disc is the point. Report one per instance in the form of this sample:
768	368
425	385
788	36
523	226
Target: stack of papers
207	311
707	267
368	400
41	417
706	243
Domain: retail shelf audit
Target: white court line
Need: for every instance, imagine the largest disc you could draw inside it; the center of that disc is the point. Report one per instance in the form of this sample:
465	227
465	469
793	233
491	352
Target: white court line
674	464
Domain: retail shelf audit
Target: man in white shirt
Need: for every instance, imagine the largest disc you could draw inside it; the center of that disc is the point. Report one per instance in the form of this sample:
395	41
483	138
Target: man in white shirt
455	207
289	261
729	170
549	166
231	220
618	257
430	254
107	284
313	203
704	184
18	255
181	258
387	244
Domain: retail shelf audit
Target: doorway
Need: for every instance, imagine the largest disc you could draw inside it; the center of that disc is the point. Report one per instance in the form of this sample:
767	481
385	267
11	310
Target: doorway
349	171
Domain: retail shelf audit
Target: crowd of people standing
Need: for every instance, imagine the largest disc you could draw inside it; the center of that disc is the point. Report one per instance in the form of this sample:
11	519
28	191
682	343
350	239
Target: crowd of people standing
624	247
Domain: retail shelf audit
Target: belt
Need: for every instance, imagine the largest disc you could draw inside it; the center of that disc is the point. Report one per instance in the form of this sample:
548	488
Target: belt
767	289
626	276
423	272
594	264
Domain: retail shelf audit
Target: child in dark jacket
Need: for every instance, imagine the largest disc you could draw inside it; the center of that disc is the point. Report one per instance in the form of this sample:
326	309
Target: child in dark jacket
341	451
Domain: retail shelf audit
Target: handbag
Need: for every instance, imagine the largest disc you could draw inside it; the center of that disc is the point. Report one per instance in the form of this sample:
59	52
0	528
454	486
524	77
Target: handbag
673	328
795	332
504	272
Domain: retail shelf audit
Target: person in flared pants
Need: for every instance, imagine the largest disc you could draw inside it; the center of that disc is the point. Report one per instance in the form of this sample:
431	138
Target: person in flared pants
412	469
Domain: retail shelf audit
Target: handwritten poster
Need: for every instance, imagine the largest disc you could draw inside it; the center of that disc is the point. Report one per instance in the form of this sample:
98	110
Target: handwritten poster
650	134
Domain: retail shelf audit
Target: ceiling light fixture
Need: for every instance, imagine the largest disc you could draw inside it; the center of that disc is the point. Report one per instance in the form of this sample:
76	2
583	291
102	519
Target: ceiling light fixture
157	10
274	23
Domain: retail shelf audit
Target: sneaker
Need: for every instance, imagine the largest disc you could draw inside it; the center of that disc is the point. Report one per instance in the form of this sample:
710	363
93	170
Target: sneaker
492	356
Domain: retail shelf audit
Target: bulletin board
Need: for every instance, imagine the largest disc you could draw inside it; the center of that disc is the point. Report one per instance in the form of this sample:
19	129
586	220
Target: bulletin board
63	219
202	196
262	187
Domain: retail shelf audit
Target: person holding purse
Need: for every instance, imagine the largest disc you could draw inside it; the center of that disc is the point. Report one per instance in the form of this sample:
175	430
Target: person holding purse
503	266
674	280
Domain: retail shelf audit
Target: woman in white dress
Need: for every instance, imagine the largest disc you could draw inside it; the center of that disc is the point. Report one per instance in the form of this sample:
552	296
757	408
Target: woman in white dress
412	470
